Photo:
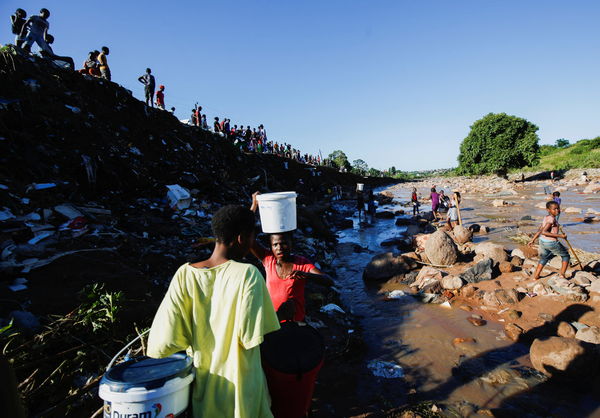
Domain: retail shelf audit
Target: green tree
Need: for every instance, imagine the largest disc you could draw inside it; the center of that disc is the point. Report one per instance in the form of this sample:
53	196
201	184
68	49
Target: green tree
496	143
339	158
373	172
562	143
360	167
392	170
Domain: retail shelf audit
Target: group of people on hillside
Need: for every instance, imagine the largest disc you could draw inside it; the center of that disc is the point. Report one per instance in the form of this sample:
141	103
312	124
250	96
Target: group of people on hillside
34	30
222	308
251	139
96	64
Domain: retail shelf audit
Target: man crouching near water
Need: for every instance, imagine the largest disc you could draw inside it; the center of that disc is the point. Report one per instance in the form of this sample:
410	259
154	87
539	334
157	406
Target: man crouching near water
219	310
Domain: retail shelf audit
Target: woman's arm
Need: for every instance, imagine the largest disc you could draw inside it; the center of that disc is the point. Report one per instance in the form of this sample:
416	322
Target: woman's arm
256	249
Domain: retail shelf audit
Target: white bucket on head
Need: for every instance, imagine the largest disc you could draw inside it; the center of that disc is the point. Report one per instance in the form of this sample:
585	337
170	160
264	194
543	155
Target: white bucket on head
360	187
148	387
277	211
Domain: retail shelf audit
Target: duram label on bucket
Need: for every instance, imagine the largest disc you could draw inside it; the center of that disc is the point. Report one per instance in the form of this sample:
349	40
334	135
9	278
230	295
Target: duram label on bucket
124	411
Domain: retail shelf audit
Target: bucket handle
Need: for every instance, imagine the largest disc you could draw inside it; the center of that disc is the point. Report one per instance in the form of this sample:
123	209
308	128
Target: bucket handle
125	348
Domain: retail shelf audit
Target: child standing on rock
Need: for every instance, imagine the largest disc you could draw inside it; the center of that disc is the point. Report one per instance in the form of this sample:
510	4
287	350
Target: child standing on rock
549	245
435	203
414	198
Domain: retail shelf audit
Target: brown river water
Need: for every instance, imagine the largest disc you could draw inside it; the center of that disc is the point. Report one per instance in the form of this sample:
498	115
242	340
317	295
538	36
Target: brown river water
470	378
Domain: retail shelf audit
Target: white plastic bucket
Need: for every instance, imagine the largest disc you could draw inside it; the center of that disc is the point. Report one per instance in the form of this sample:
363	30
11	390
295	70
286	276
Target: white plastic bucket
179	198
277	212
360	187
148	388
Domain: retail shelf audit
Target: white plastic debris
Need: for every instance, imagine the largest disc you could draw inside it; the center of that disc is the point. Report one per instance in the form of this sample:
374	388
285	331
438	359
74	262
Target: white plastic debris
6	214
332	307
179	198
39	237
3	187
32	84
446	305
73	109
40	186
135	150
68	211
396	294
385	369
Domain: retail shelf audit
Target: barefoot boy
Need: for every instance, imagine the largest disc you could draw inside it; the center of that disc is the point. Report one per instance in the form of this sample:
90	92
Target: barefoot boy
549	244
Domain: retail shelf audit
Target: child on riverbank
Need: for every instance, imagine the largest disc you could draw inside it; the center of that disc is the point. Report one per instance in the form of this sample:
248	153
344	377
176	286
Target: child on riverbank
549	245
360	203
435	203
414	199
452	215
371	208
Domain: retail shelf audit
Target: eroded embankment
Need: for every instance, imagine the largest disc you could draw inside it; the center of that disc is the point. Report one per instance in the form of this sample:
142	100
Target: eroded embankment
89	240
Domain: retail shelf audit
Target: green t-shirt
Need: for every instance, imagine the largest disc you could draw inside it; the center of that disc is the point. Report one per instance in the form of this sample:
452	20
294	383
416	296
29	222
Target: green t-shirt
220	316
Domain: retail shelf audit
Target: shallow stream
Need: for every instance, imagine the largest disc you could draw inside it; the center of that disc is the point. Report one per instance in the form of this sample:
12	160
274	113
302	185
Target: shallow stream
487	373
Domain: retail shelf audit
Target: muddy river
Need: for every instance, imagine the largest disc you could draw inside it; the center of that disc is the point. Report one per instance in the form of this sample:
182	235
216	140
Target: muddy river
484	371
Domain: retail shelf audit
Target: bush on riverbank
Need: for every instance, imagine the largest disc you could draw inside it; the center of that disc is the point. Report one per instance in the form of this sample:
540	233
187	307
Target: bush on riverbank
496	143
582	154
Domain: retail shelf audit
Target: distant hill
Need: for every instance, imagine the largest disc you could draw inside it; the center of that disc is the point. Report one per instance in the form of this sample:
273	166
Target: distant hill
582	154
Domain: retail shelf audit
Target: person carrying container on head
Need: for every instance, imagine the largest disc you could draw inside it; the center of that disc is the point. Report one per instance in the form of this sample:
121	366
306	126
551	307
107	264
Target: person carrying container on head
219	310
149	84
286	273
35	30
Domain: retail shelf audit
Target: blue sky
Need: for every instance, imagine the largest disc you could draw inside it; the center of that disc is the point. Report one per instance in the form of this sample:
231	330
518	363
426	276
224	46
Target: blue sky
392	82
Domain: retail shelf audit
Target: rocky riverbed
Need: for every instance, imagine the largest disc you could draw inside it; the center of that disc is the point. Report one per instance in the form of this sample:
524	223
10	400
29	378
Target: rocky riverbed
473	334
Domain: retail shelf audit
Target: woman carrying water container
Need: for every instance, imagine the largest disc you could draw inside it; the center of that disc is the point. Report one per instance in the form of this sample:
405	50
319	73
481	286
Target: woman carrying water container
286	273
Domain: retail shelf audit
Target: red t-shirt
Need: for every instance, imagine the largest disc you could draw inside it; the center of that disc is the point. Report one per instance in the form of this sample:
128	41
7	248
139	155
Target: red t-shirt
282	290
160	98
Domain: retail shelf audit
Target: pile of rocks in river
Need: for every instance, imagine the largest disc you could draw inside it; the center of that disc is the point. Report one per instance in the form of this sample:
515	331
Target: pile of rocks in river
446	267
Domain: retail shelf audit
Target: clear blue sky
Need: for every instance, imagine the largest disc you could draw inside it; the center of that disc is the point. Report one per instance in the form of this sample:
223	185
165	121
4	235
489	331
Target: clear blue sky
391	82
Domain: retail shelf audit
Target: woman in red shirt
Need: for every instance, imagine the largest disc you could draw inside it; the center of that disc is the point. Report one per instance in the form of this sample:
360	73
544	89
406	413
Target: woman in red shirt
286	273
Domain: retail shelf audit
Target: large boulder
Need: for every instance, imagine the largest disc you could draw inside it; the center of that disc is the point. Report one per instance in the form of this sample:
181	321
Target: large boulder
479	272
385	214
589	334
584	278
462	234
452	282
440	249
592	188
564	357
565	330
500	297
490	250
572	210
513	331
387	265
594	287
428	278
